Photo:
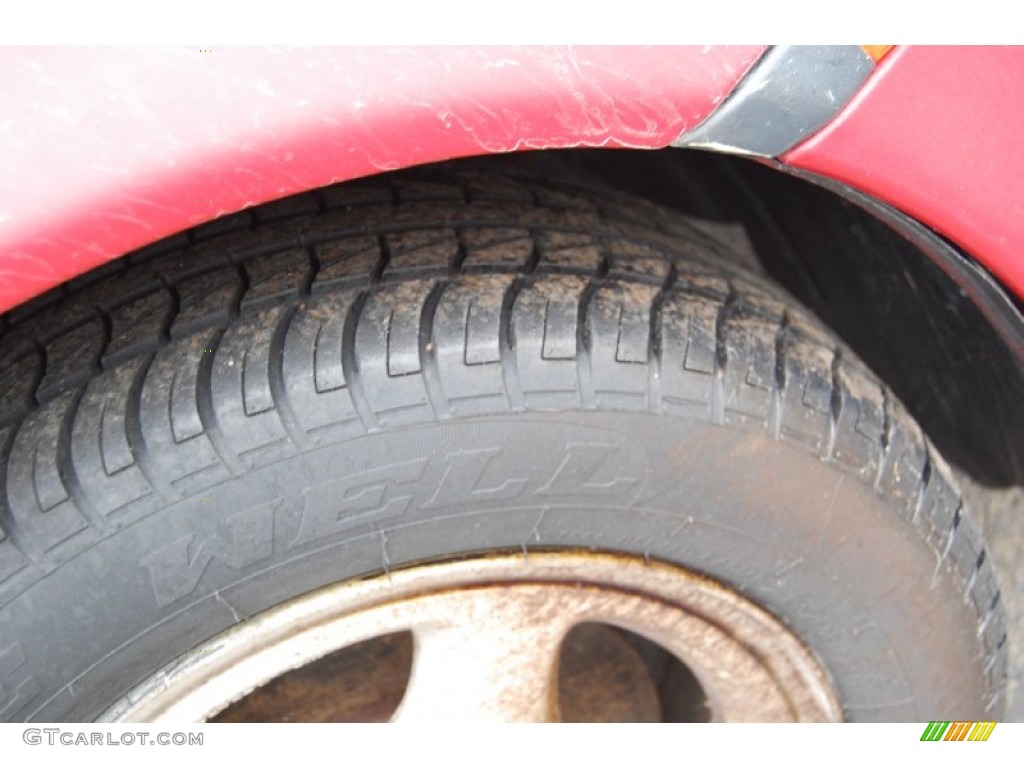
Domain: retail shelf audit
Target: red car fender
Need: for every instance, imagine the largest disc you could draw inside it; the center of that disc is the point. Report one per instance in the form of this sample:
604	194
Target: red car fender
103	151
936	132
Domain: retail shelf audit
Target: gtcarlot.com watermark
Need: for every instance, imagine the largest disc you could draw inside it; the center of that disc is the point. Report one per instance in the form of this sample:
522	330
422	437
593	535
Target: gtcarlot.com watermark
72	738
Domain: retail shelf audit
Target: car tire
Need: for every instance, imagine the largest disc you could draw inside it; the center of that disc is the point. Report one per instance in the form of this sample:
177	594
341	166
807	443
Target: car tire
443	363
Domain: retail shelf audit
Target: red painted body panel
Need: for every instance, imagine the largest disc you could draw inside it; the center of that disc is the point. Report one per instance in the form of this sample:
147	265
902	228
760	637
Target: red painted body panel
105	150
936	132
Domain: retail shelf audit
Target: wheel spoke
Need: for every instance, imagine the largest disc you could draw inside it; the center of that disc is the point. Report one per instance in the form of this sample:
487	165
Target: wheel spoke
495	659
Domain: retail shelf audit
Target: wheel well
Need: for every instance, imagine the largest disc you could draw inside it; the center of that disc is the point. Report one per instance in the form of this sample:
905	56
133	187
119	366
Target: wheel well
940	331
957	360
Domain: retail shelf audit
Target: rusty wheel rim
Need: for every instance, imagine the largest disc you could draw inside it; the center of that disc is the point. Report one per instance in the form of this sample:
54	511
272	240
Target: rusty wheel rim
487	633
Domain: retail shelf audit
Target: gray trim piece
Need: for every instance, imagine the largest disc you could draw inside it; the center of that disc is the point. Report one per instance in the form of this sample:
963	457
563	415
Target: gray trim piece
789	94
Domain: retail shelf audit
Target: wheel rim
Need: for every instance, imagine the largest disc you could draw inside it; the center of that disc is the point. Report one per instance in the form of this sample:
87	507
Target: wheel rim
487	635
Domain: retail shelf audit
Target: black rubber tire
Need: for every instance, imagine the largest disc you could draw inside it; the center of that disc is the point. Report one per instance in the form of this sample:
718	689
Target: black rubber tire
424	365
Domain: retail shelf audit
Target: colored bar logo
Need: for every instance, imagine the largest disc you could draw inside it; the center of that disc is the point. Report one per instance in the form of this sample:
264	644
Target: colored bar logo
958	731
